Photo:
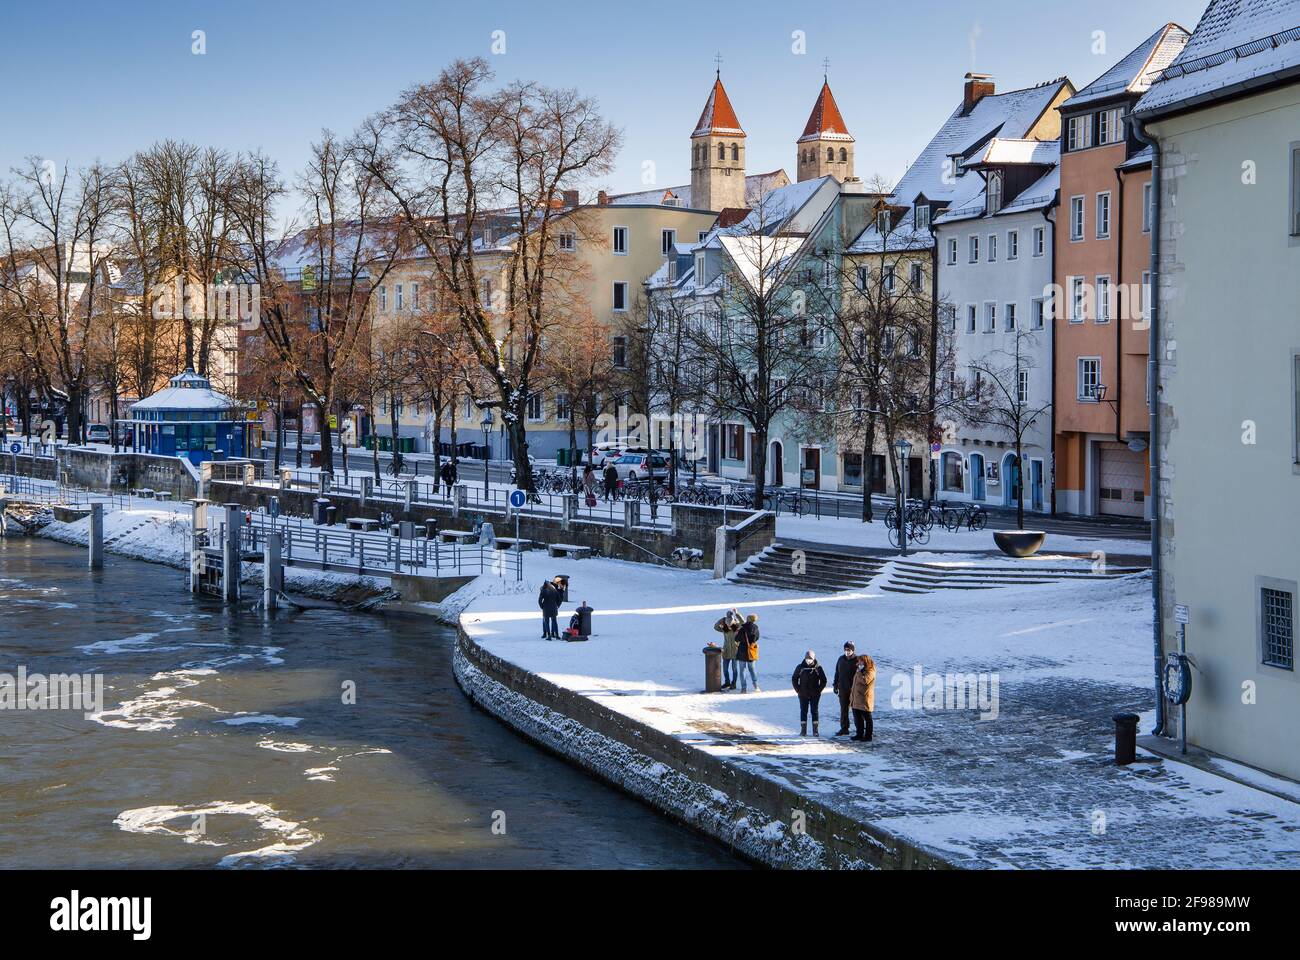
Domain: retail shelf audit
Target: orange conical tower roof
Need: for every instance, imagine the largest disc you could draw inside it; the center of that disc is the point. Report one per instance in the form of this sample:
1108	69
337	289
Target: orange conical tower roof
825	117
718	115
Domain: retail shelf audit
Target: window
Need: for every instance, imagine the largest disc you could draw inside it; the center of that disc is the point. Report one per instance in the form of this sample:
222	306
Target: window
923	217
734	434
970	318
1078	300
620	352
994	193
1277	627
974	249
1022	386
1110	128
1013	244
563	407
864	277
567	242
993	247
485	292
667	238
1076	218
1089	379
949	314
853	470
383	299
1103	300
1009	318
702	235
415	296
952	251
882	221
1038	314
990	317
918	277
620	295
700	272
535	411
1103	216
888	277
398	291
1079	135
1148	206
953	475
620	240
1040	241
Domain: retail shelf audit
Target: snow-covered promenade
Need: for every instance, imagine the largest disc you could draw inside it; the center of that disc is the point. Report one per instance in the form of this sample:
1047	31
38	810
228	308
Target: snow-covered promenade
1032	784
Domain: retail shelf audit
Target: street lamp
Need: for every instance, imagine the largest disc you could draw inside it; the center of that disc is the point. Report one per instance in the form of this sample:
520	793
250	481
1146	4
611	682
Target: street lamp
487	448
904	449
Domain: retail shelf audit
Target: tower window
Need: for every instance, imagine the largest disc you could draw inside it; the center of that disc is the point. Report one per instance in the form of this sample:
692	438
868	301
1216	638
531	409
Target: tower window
844	155
722	151
830	153
735	152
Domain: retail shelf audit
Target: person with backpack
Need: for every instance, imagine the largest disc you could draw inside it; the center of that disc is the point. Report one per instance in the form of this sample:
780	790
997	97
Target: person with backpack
808	680
549	599
842	686
729	626
863	698
747	651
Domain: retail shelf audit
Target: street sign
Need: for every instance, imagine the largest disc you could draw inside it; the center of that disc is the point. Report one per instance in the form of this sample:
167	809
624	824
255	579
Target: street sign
518	498
936	447
1182	613
15	448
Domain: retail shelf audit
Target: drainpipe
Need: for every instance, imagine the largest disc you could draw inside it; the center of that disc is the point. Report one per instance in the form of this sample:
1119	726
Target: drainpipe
1116	286
1153	390
1051	241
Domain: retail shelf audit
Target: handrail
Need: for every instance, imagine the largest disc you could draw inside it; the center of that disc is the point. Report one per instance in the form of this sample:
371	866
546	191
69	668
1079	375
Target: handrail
666	563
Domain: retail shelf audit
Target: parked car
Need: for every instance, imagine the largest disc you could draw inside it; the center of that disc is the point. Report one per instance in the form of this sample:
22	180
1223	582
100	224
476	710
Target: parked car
637	465
98	433
607	451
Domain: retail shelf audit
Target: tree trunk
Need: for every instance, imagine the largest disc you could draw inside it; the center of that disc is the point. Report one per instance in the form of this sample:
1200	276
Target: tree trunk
392	426
326	441
868	469
279	431
519	449
298	463
760	467
437	441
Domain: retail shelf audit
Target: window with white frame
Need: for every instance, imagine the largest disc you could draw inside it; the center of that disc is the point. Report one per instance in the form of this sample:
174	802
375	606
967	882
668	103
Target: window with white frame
1103	215
1013	244
1038	316
620	295
1040	241
1089	379
397	290
702	235
990	317
883	221
974	249
918	277
1022	386
1103	297
485	293
952	251
972	313
1079	134
1148	206
1277	625
415	296
1009	318
994	193
1076	218
888	277
922	217
383	299
1078	299
563	407
534	411
567	242
666	240
993	248
1110	127
620	352
948	313
863	275
620	241
700	272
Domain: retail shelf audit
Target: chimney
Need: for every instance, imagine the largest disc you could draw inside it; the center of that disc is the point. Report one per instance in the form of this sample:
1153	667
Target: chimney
978	86
570	198
602	198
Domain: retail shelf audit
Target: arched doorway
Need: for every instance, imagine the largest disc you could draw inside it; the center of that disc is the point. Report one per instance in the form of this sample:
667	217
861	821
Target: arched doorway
977	476
776	459
1010	480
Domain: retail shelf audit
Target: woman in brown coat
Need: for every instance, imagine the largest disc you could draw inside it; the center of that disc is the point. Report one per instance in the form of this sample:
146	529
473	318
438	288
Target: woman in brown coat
863	698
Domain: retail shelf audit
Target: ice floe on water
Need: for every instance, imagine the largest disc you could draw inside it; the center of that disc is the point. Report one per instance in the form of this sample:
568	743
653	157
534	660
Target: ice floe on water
269	719
157	709
202	824
320	773
285	746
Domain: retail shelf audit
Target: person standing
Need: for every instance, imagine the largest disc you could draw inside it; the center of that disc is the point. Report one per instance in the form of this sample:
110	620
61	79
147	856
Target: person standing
589	484
611	481
729	626
452	475
747	651
549	599
863	698
842	686
808	680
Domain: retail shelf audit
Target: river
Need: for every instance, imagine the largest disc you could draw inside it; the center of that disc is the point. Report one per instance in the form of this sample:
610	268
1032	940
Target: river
228	740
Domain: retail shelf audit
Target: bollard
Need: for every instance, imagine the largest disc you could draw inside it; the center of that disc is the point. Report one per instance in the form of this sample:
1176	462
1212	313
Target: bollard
570	511
272	576
584	613
1126	725
712	669
231	563
96	538
367	490
198	539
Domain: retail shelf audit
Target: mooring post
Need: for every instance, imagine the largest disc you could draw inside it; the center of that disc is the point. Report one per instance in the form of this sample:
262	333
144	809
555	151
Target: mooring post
460	499
271	574
198	539
231	567
410	495
96	538
367	490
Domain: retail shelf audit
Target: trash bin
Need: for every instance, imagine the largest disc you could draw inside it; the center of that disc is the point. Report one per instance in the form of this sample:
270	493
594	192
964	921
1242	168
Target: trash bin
431	529
318	510
561	457
564	588
331	512
584	619
275	508
1126	725
712	669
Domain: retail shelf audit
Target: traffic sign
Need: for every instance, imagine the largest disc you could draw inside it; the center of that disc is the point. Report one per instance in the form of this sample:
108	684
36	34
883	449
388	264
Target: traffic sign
15	448
1182	613
518	498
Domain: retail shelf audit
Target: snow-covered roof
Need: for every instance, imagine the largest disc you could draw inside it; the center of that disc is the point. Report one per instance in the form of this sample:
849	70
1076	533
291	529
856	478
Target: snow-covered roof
757	255
185	391
773	211
1004	151
1238	44
1140	159
718	115
756	185
825	122
1135	72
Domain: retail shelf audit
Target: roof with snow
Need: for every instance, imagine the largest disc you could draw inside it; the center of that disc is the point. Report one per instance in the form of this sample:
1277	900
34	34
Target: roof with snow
756	185
1004	151
1135	72
825	122
718	115
185	391
758	256
775	210
1238	45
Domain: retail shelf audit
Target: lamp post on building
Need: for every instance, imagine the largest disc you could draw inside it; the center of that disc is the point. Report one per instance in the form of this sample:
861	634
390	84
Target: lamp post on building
487	448
904	450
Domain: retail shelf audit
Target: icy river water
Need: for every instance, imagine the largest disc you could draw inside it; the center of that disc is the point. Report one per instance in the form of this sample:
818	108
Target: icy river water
226	741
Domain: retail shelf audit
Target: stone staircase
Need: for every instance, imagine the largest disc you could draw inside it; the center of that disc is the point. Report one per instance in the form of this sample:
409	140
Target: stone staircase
906	576
810	571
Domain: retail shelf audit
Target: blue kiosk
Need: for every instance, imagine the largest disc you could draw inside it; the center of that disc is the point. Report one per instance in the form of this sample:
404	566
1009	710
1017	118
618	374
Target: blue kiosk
189	419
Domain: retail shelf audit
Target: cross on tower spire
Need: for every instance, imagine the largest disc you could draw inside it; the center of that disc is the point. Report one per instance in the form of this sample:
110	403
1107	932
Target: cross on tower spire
717	62
826	68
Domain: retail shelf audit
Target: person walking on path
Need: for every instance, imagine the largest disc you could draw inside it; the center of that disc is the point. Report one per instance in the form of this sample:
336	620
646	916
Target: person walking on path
611	481
729	626
808	680
747	651
589	485
842	686
549	600
863	698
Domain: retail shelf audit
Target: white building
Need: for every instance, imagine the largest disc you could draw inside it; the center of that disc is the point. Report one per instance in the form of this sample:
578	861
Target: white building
1226	118
995	271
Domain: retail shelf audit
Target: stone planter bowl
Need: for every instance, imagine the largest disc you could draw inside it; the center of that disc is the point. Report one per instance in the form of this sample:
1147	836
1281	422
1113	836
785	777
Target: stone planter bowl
1019	543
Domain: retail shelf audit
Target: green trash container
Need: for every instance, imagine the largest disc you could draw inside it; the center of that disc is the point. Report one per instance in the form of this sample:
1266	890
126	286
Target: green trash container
408	444
562	458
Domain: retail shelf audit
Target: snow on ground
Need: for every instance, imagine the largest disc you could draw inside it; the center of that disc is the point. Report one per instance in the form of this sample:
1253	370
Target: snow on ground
855	533
1033	786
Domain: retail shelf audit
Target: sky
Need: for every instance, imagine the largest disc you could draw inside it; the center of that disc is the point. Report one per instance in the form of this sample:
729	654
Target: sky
86	81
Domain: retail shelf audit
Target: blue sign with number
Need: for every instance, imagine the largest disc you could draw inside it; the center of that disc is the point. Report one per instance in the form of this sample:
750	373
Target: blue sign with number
15	448
517	498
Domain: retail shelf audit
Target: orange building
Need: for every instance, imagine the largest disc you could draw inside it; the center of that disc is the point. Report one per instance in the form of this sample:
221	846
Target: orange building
1103	254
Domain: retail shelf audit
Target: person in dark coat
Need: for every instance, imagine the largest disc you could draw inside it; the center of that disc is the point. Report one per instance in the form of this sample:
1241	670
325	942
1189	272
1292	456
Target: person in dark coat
450	478
747	651
808	680
842	686
611	481
549	600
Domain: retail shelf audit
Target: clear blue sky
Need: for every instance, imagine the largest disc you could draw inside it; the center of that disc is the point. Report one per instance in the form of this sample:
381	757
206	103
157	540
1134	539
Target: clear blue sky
87	80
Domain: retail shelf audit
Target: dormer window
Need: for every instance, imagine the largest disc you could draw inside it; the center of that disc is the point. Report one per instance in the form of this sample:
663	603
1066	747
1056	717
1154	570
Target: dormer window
995	192
922	216
699	269
882	221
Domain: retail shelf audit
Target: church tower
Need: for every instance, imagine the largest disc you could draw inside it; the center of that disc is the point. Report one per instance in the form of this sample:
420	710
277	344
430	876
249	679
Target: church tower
718	155
826	146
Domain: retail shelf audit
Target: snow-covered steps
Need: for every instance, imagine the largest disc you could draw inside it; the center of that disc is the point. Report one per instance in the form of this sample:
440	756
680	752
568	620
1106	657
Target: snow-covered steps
908	576
781	567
